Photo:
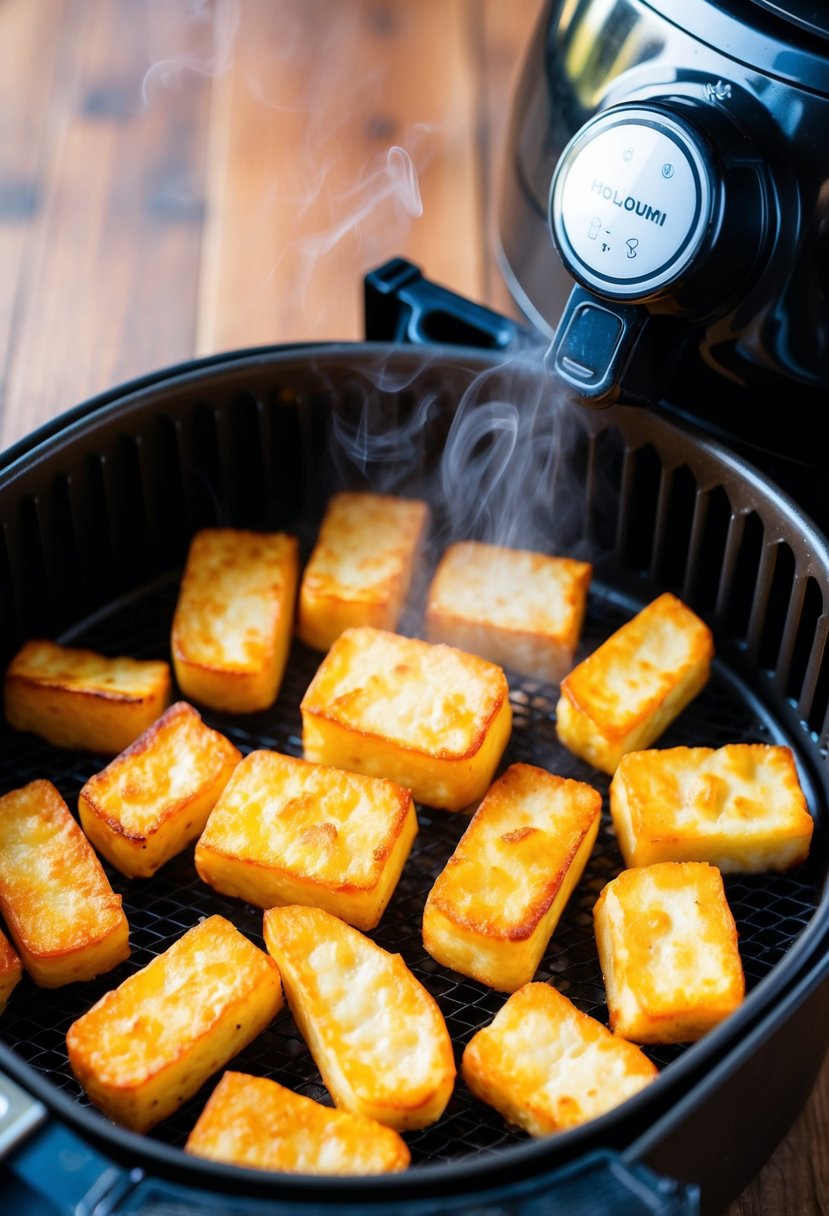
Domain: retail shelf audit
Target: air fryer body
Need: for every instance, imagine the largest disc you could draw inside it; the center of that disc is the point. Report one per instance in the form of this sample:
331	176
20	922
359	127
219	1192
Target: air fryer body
752	364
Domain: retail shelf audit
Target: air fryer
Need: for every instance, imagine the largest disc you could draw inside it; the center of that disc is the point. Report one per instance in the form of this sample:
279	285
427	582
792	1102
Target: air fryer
720	324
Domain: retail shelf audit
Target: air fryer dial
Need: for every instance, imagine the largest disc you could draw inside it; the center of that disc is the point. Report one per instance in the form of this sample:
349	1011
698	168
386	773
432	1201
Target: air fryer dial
661	203
657	209
632	202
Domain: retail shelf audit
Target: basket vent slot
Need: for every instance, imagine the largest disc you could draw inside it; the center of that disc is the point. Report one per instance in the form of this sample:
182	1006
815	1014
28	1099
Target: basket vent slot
171	509
65	563
604	488
286	460
776	608
640	507
711	542
808	626
130	524
674	527
32	577
742	570
96	521
242	440
818	720
207	485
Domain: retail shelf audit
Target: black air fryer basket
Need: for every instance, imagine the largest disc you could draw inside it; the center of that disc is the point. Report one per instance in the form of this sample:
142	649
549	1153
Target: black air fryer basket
97	511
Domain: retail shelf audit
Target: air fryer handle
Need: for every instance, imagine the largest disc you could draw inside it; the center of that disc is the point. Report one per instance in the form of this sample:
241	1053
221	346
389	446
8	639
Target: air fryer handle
402	306
600	351
596	1185
604	350
55	1173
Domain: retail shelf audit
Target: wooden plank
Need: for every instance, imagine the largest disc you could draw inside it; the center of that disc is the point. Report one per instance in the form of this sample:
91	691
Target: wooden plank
28	45
505	34
334	127
115	249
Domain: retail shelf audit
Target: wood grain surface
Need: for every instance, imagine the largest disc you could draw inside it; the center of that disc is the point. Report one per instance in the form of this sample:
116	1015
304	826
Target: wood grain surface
180	177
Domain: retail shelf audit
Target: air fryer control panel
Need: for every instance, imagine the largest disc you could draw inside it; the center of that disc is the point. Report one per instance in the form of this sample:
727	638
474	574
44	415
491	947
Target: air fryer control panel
631	203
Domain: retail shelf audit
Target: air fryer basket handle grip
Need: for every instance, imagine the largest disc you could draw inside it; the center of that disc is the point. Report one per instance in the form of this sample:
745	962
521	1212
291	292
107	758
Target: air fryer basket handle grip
402	306
598	1184
599	351
603	350
62	1175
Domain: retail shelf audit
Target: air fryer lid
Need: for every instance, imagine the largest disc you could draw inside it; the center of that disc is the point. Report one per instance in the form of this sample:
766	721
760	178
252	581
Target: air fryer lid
98	512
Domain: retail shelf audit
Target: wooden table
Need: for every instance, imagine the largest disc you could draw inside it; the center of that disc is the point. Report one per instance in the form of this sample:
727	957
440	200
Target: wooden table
179	177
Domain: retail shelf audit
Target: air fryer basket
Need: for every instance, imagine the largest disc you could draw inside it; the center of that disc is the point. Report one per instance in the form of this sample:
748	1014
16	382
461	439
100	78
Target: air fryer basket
97	511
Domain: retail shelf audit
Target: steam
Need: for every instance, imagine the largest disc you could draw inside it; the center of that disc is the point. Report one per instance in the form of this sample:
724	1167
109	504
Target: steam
481	450
198	37
396	179
343	188
365	214
503	473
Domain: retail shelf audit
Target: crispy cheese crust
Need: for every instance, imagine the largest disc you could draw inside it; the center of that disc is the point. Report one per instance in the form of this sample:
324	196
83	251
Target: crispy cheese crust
154	798
233	621
668	950
254	1122
628	691
11	970
494	907
376	1034
520	609
432	718
66	921
148	1045
739	807
286	831
547	1067
79	699
361	567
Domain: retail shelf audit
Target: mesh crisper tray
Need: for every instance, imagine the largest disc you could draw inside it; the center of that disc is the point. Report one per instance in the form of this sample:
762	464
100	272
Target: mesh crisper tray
770	910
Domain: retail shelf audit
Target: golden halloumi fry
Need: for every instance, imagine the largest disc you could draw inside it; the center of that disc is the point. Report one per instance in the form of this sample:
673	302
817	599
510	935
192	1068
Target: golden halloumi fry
740	807
494	907
624	695
520	609
66	921
432	718
547	1067
154	799
234	617
77	698
148	1045
377	1036
668	949
254	1122
361	567
286	831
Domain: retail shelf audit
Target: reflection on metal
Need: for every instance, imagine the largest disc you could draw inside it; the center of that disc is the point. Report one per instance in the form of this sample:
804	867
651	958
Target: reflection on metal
600	42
